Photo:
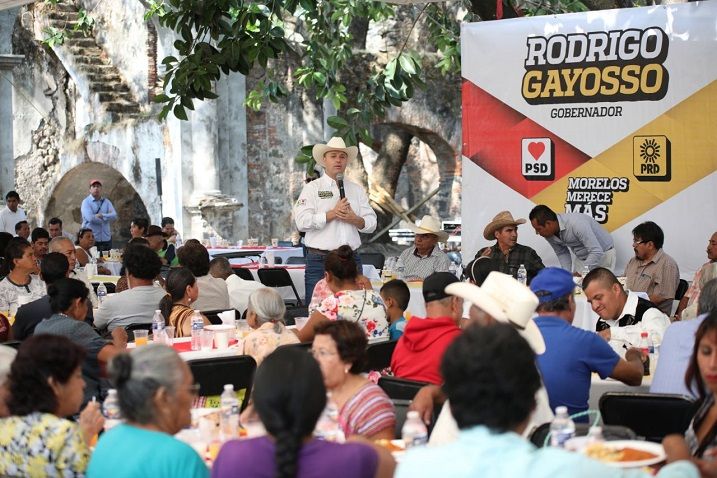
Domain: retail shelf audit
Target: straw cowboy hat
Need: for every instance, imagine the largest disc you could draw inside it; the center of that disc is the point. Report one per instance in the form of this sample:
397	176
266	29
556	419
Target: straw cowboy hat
506	300
334	144
504	218
429	225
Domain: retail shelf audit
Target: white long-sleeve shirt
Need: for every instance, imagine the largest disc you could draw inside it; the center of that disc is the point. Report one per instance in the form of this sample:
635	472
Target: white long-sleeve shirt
320	196
8	219
653	322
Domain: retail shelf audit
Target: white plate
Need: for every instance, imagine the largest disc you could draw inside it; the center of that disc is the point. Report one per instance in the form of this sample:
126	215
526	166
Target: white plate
654	448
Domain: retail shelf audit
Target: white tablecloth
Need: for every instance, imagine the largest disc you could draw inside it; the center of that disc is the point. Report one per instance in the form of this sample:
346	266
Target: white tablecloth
236	349
279	252
598	387
113	266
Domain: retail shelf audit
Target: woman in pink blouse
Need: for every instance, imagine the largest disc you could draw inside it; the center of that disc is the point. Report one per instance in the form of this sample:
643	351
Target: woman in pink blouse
349	300
364	408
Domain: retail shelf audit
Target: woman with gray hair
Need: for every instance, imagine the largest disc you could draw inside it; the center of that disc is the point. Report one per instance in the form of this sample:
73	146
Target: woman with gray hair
265	314
155	390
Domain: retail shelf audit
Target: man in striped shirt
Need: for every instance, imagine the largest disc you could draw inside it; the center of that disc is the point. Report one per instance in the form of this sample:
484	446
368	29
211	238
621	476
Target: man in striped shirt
425	258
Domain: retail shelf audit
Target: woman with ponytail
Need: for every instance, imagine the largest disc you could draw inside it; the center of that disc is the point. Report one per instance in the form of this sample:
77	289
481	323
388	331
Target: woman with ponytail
349	300
289	396
155	391
182	290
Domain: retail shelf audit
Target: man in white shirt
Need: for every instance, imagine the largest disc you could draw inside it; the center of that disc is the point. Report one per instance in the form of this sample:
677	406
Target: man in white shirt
213	292
623	316
137	304
65	247
239	289
11	214
330	215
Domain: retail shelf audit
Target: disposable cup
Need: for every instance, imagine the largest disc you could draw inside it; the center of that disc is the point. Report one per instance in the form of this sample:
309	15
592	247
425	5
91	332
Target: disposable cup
141	337
207	339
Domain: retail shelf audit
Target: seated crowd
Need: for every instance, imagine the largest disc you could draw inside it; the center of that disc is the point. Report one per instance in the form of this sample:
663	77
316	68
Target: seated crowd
494	356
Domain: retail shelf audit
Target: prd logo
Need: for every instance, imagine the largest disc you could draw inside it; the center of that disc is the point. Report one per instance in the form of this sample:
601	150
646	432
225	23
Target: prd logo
537	159
651	158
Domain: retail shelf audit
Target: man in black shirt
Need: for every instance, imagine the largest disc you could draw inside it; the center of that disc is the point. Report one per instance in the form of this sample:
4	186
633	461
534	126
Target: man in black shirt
506	255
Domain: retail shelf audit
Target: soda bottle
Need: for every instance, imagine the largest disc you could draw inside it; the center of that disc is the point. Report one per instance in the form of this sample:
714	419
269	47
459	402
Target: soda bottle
645	349
414	432
562	428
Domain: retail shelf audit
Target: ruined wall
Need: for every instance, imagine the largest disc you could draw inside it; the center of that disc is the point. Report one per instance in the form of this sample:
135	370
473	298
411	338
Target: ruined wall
121	31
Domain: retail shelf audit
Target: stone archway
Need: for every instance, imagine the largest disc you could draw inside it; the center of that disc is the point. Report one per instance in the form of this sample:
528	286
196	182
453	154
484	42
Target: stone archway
412	161
69	192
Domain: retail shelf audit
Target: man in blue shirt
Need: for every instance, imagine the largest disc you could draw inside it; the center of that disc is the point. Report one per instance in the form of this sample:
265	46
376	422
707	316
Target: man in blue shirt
97	214
589	241
573	354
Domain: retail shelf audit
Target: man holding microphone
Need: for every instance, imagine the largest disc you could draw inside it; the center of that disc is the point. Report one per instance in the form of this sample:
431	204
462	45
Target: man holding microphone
331	210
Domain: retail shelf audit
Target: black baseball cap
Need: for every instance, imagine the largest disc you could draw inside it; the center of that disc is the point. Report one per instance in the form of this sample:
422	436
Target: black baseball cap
434	286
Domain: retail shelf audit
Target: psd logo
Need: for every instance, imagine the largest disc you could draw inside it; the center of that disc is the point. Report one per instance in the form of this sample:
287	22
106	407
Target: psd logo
651	158
537	159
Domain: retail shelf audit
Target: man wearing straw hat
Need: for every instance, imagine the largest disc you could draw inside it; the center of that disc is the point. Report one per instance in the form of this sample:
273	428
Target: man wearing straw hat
331	210
425	257
506	255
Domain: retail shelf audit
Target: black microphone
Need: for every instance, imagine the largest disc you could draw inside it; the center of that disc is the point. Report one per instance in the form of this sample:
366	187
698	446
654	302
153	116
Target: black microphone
340	182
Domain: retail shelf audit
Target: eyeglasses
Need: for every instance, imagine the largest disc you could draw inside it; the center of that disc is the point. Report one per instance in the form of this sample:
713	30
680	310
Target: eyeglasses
634	243
321	353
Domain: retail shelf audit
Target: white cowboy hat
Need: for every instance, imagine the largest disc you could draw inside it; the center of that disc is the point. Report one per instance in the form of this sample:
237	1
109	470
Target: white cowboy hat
429	225
334	144
502	219
506	300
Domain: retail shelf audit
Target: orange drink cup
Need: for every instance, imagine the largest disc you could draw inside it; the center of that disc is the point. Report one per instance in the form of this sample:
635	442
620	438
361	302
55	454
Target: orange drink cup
140	337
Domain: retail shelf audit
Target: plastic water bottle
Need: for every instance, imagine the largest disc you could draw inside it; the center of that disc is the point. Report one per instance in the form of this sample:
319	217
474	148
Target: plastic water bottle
111	410
453	269
101	292
328	427
158	327
522	275
229	415
197	327
562	428
414	432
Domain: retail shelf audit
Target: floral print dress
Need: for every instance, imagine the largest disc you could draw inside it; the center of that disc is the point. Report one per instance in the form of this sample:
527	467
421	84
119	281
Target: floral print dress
42	445
364	307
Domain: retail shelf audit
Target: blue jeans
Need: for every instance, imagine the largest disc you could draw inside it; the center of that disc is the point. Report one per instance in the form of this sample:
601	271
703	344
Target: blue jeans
315	272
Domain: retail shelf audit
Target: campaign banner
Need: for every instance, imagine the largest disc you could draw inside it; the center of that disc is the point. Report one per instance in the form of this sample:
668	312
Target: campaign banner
610	113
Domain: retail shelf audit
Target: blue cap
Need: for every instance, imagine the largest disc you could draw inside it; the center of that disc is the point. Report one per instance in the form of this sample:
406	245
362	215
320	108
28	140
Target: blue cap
552	283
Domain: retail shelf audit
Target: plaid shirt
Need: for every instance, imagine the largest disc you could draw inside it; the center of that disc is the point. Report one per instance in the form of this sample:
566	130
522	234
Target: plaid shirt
509	264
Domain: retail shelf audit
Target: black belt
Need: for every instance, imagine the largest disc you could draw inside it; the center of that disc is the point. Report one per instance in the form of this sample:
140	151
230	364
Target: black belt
320	252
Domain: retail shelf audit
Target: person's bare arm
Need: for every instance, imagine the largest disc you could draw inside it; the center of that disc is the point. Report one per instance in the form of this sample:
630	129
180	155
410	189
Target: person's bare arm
306	334
118	345
426	400
91	421
630	369
681	306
